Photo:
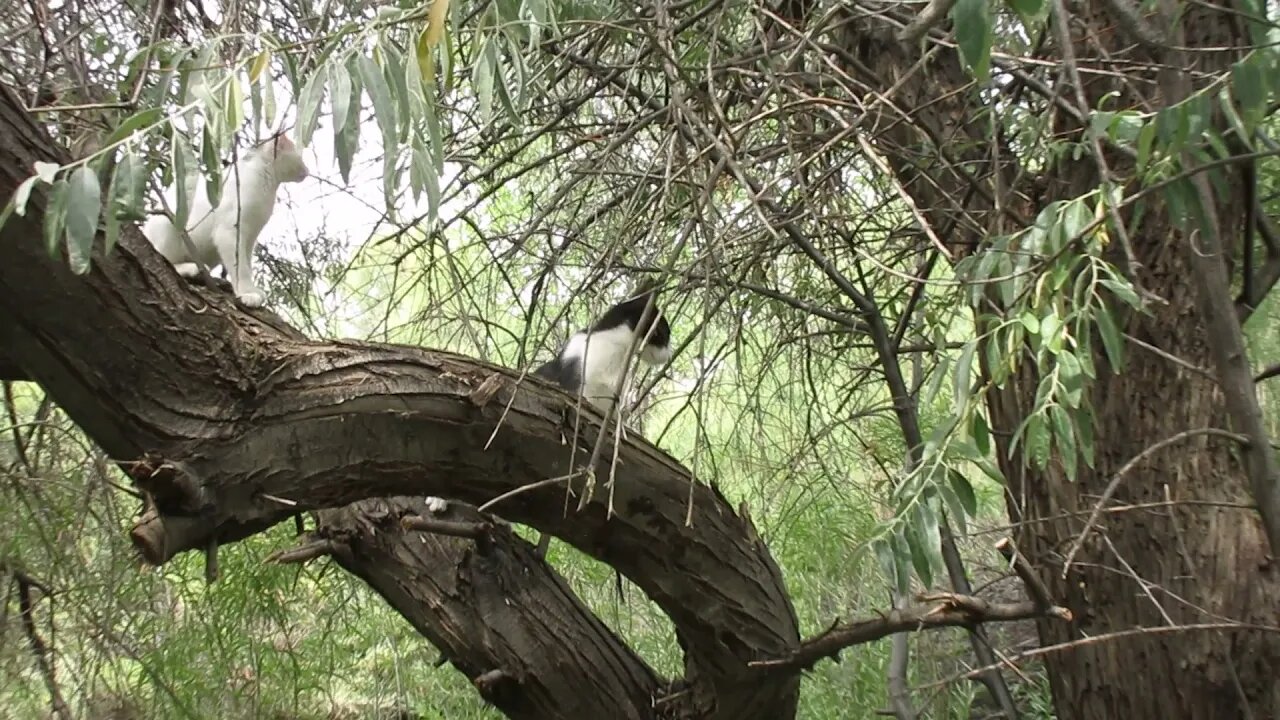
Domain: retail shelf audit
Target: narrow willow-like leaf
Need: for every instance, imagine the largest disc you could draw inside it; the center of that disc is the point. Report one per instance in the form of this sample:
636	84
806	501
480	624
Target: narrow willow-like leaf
972	20
383	108
482	83
918	546
964	372
954	510
980	433
340	96
1065	437
84	204
1111	340
435	21
309	105
134	123
182	188
55	215
434	134
347	143
419	166
269	100
46	171
934	384
23	194
385	112
233	111
884	557
260	63
902	559
964	491
1084	429
212	165
394	70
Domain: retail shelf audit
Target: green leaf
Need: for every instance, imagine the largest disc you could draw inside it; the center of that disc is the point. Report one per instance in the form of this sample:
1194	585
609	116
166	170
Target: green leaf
393	68
1026	8
902	560
1146	139
1030	321
1122	290
1111	338
212	167
1084	432
181	186
46	171
992	470
309	105
1065	435
134	123
233	110
1037	444
980	433
340	97
884	557
954	510
269	101
935	381
482	82
961	486
972	20
964	372
384	110
435	135
23	194
347	142
1250	89
919	555
927	523
84	204
55	216
376	85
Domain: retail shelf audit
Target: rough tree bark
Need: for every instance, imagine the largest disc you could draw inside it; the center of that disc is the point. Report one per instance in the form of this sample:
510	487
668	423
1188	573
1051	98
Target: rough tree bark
1198	561
220	414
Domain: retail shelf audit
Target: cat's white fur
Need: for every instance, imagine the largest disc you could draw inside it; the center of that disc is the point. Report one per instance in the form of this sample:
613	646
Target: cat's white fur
602	356
248	199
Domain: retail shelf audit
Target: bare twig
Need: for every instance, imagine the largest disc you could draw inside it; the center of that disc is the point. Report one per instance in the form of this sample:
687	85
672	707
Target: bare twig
1125	469
936	611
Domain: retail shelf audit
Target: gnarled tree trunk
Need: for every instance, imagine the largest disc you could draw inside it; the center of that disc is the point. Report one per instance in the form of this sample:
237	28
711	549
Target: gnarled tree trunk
233	422
1197	557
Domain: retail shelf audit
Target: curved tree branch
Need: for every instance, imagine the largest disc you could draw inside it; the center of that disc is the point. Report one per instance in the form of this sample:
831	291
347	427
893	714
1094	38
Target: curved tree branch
221	415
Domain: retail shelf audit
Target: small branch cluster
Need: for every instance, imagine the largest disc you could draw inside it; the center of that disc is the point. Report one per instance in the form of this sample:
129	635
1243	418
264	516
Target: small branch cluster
936	610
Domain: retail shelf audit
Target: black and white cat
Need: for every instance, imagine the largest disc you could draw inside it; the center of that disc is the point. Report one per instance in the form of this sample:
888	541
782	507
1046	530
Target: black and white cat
593	360
227	234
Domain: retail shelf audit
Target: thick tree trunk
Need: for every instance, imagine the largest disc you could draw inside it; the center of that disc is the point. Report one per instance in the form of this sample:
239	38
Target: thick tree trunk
1201	559
221	415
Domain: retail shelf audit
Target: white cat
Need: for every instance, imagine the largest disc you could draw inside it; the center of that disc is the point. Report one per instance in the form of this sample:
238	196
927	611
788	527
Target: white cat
248	199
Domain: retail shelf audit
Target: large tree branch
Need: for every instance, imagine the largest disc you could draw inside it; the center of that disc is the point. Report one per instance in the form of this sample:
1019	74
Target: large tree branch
543	655
240	422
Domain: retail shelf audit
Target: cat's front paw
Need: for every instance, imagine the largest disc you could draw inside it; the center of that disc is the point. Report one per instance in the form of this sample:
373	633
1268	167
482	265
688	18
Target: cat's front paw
188	270
252	298
437	505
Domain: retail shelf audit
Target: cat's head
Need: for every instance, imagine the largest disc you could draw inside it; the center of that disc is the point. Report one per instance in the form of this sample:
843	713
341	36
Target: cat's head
286	162
658	347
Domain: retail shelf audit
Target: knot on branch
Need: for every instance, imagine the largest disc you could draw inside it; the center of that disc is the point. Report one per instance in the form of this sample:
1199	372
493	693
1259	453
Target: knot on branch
170	485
